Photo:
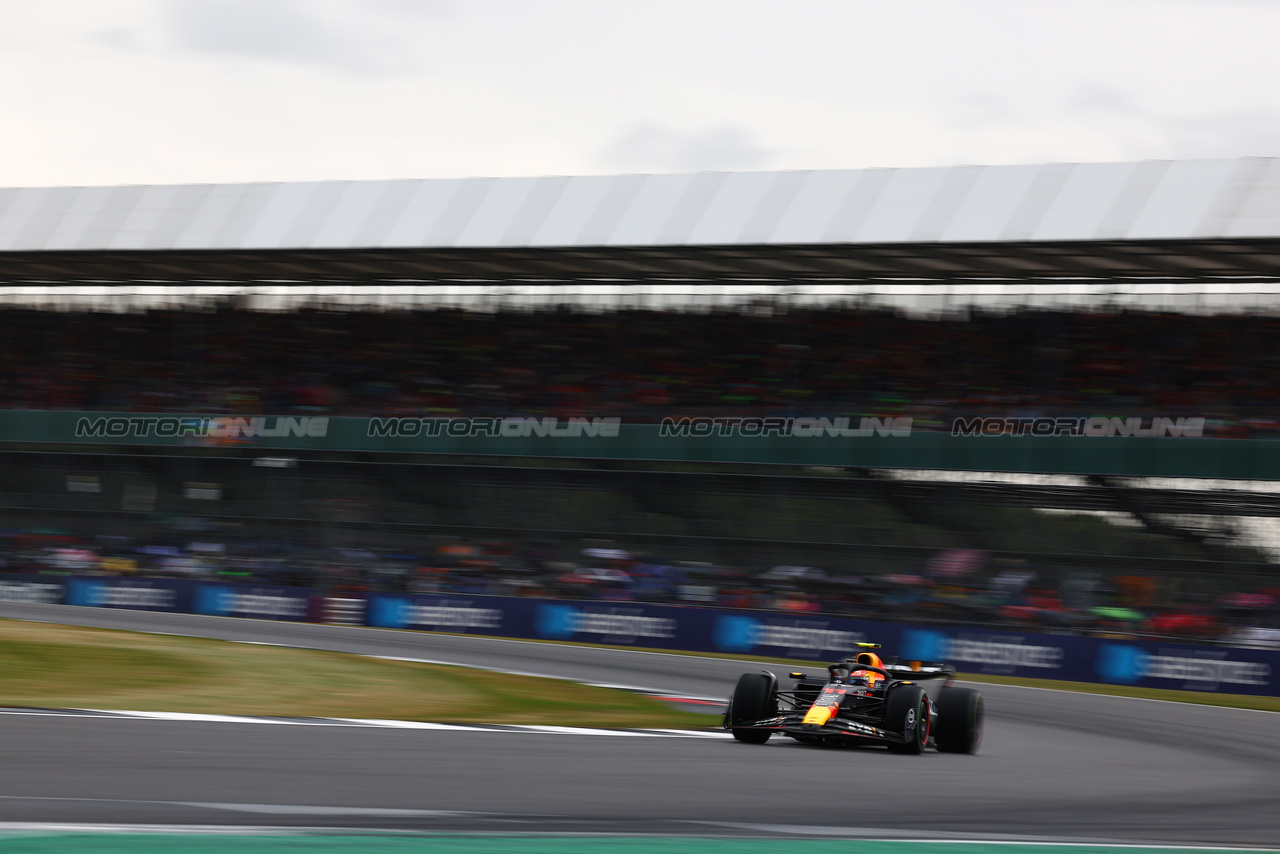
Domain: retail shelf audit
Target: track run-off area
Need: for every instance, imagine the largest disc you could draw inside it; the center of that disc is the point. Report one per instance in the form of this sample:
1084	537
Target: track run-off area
1054	766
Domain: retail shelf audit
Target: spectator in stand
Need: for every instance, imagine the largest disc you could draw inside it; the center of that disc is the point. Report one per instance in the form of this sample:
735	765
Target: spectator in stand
645	365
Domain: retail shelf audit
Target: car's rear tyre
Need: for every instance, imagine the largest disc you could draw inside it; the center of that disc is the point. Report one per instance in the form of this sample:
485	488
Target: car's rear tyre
907	711
754	698
960	715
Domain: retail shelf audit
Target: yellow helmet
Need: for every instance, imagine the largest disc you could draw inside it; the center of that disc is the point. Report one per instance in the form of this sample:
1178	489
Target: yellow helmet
871	660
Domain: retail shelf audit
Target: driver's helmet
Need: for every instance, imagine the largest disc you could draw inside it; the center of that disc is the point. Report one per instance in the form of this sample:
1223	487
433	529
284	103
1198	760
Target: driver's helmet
868	678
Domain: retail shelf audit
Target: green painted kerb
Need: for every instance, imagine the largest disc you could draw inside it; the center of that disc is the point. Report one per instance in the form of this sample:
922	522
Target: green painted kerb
1138	456
164	843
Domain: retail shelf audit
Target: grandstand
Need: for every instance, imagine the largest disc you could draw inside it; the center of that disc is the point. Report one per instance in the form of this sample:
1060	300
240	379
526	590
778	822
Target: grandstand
1057	293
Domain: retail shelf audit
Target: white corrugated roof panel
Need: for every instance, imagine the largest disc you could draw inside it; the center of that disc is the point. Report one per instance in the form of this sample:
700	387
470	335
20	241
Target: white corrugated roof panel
990	204
425	204
212	208
147	216
237	229
183	208
1177	205
763	223
388	208
725	217
1155	200
496	212
21	215
690	209
642	223
325	201
458	212
1082	202
67	213
1258	214
287	206
533	211
119	206
901	206
340	225
816	204
569	217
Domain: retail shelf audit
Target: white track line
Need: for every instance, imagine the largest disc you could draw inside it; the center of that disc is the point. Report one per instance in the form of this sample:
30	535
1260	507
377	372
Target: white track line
368	723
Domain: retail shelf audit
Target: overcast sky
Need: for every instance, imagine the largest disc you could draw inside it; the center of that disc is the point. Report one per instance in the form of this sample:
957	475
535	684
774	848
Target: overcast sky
176	91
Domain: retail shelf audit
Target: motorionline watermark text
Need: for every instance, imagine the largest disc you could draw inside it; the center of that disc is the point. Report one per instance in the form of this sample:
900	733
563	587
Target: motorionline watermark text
797	427
502	427
218	427
1095	426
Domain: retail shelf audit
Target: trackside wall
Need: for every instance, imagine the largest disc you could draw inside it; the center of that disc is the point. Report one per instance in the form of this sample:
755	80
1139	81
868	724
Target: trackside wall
807	637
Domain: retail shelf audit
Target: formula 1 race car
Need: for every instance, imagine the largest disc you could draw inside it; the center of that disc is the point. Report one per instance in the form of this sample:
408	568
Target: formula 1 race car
862	701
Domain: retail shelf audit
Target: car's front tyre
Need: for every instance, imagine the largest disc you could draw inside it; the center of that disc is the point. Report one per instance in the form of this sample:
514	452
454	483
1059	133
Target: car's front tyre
754	698
907	712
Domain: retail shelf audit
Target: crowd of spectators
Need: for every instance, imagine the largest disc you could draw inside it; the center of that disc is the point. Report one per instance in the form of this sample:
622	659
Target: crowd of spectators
645	365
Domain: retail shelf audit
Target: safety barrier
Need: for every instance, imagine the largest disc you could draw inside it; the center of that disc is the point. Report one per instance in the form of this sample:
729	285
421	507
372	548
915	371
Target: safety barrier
695	629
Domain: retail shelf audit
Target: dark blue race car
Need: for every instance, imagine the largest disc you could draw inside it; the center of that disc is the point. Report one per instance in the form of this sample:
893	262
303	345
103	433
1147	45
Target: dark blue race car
863	700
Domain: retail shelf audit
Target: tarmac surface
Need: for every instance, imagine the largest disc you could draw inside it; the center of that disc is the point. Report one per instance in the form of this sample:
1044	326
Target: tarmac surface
1053	765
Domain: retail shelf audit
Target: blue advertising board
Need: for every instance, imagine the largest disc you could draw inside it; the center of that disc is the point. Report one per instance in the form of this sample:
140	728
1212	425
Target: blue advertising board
808	637
815	637
37	589
263	602
483	615
620	624
135	594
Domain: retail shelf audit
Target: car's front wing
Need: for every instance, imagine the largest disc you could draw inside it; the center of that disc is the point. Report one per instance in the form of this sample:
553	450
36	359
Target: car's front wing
791	723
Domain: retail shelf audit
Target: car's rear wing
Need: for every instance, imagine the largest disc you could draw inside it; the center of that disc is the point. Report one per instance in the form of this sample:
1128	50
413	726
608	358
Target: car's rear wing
899	671
908	670
918	670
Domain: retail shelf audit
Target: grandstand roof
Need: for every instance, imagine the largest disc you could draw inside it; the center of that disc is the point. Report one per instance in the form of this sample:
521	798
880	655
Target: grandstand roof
1155	220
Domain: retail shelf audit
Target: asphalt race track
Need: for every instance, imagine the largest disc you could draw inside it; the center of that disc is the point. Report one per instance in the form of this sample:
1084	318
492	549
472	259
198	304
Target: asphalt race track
1053	765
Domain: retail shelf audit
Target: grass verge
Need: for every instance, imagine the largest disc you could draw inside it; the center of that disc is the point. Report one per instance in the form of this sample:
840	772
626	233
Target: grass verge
55	666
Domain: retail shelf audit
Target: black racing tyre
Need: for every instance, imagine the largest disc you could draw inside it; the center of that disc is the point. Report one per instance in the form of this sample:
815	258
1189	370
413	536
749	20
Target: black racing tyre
960	716
907	711
754	698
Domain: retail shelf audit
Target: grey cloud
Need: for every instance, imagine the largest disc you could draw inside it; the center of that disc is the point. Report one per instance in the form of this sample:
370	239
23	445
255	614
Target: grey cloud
1209	135
433	8
986	112
132	39
976	112
1136	130
1103	99
342	36
651	147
